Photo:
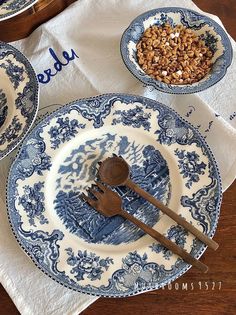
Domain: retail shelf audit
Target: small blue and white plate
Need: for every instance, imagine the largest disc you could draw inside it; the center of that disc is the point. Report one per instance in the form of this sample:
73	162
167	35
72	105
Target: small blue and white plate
18	97
10	8
210	31
73	243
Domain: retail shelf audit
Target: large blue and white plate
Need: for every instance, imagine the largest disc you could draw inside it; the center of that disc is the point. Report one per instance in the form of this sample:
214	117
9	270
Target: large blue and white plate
10	8
74	244
18	97
207	29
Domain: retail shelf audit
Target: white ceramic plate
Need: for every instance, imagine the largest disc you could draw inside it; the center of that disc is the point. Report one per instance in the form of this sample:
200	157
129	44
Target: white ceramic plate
73	243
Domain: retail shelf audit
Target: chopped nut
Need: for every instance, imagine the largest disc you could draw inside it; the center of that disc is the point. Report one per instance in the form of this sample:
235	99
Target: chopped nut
158	78
149	71
166	81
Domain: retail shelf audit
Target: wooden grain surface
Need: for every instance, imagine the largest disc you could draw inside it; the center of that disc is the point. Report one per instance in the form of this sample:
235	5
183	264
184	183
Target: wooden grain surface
23	24
194	293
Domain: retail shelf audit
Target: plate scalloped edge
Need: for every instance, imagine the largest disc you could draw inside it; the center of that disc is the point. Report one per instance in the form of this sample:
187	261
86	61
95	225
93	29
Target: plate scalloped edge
138	291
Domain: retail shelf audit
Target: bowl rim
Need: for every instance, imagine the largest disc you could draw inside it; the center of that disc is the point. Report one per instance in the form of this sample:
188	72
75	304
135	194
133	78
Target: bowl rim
177	89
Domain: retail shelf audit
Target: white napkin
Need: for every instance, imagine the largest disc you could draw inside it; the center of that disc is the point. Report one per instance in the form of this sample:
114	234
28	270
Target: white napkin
89	32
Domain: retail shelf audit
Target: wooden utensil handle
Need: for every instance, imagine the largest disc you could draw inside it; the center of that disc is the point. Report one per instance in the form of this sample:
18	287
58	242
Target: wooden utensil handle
181	221
166	242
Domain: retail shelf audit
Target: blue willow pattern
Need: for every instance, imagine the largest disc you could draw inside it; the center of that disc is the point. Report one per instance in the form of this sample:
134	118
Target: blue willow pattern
14	72
190	166
203	204
135	271
95	110
148	169
64	131
11	132
133	117
25	100
87	264
33	203
177	234
210	41
3	107
33	157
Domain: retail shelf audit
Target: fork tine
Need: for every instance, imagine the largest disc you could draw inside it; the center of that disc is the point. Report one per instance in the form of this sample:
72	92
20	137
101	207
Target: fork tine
81	197
85	197
91	202
102	187
95	193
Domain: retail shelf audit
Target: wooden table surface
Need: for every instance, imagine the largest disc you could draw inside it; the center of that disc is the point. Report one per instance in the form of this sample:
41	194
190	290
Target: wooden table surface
193	293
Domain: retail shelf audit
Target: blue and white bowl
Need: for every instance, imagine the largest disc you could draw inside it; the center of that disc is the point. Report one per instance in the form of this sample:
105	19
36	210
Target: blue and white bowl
210	31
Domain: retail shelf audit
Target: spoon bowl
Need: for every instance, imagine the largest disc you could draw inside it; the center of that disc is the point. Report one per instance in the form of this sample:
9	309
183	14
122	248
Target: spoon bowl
114	171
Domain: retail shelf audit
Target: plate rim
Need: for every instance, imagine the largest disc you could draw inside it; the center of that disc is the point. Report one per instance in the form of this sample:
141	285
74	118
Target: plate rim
33	75
155	83
9	15
136	291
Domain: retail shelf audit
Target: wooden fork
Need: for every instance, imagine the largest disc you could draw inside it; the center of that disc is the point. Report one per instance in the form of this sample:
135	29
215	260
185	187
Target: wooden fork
109	203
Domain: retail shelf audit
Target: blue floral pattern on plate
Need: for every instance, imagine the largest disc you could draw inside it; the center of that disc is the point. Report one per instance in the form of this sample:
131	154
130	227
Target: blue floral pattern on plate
3	107
135	118
210	31
190	166
176	234
87	264
63	131
14	72
77	246
33	203
10	8
18	84
11	132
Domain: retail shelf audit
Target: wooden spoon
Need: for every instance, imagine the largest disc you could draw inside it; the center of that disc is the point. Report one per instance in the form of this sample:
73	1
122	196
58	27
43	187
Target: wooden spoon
114	171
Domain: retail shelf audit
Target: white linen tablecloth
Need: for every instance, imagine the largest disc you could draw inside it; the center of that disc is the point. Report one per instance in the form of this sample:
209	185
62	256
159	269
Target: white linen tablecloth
89	32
